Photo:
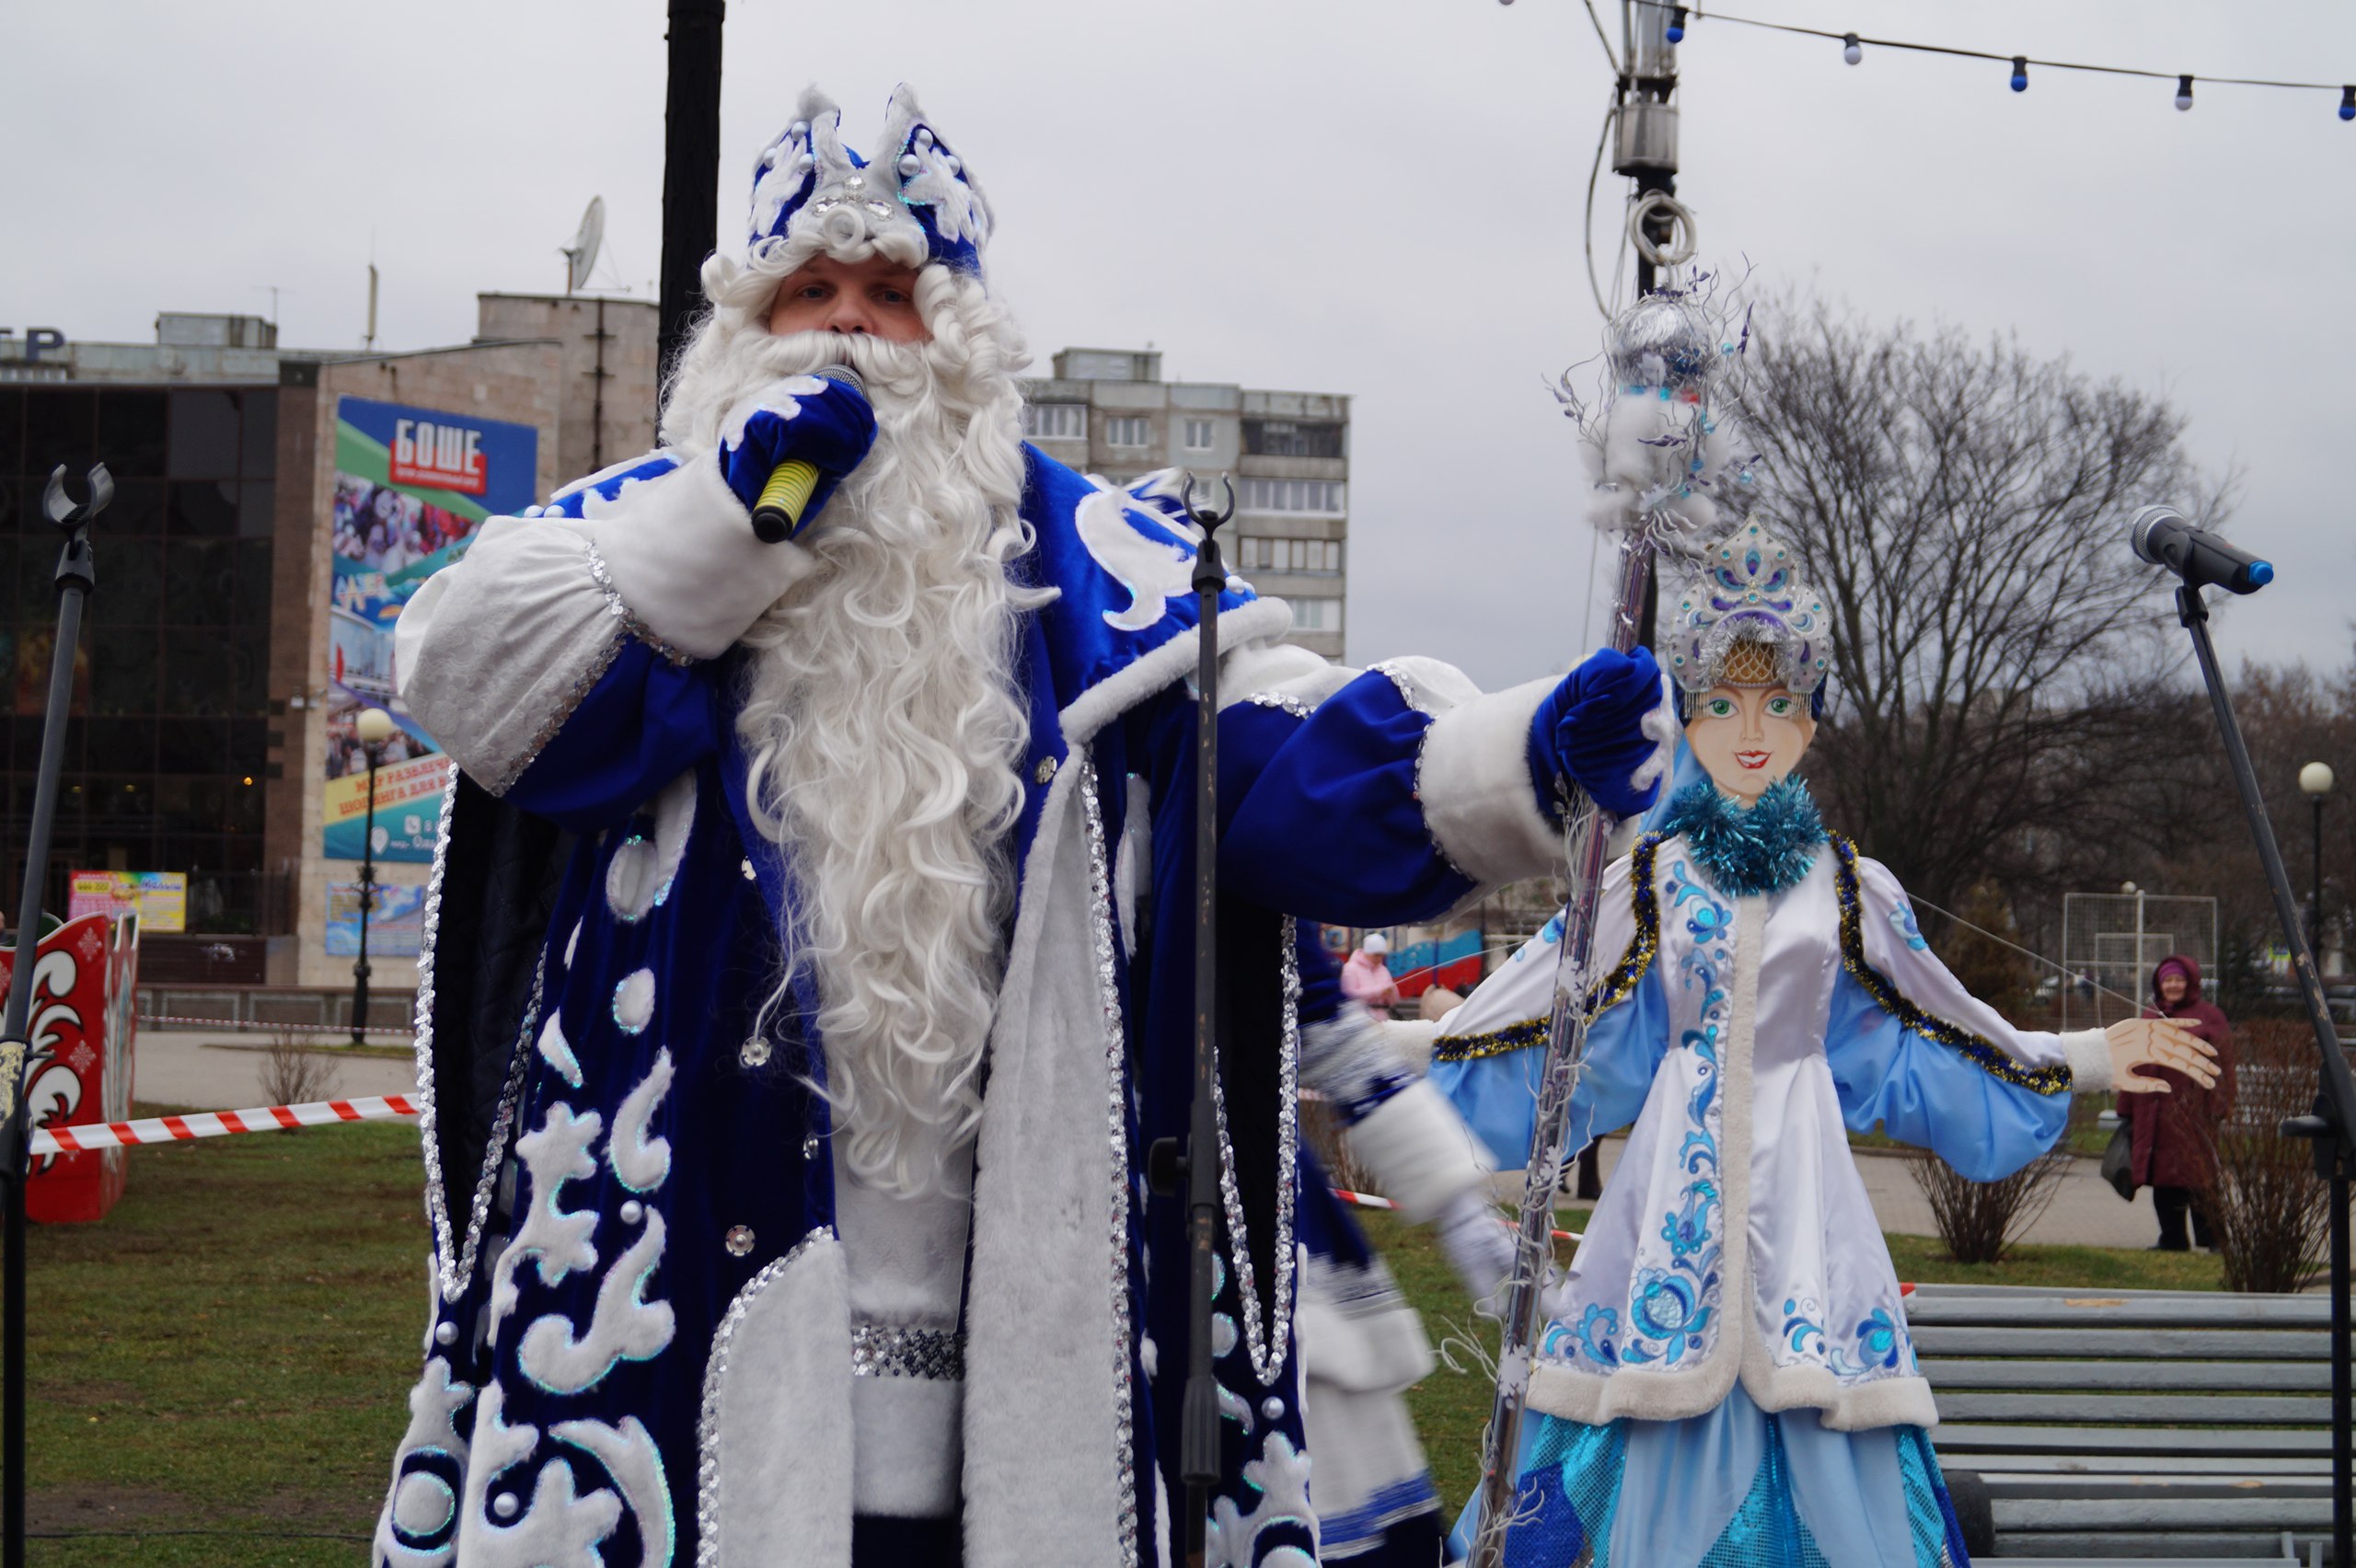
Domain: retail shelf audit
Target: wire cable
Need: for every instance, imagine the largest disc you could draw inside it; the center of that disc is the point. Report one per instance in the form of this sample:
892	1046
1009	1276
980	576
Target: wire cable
2067	974
1595	170
1601	38
1697	14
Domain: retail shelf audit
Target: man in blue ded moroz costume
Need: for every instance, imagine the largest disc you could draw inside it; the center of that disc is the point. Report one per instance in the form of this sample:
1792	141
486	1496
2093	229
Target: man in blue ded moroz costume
811	953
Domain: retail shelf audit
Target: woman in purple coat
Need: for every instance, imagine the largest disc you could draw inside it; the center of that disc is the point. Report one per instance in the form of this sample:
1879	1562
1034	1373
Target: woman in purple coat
2175	1135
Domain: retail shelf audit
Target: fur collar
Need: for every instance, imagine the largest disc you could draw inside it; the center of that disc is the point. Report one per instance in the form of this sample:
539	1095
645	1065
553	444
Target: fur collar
1764	849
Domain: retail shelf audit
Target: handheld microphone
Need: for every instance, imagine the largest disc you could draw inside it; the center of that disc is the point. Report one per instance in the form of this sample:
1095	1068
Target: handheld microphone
2162	537
787	495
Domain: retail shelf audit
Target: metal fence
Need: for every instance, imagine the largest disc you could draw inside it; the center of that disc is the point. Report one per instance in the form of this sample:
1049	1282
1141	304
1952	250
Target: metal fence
2110	943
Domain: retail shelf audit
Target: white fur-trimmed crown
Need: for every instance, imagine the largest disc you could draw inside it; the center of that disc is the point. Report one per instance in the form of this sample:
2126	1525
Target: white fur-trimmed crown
809	191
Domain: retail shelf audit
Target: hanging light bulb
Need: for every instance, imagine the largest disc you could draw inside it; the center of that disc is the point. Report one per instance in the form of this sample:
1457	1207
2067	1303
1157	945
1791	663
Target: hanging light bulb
1676	33
1851	49
2020	72
2348	103
2184	92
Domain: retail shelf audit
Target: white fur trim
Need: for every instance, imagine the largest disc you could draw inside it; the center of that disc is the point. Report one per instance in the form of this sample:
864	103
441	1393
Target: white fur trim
1410	1039
1477	796
2088	1051
1419	1151
682	553
777	1406
1042	1458
906	1446
1174	660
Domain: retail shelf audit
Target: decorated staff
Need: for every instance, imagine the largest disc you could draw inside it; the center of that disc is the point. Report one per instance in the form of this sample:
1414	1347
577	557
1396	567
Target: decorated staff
1726	1366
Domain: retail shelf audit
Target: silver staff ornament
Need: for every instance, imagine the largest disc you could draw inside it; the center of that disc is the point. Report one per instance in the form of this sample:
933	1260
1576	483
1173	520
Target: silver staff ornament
1664	466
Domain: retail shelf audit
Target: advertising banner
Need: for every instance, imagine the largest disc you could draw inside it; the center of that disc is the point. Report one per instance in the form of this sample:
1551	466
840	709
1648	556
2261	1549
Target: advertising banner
85	976
411	486
396	926
159	898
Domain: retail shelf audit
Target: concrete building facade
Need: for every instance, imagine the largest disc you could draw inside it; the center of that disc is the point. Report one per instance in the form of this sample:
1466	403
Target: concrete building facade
1108	411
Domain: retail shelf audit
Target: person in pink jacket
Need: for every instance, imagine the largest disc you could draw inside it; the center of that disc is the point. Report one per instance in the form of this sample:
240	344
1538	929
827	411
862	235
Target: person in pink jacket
1365	979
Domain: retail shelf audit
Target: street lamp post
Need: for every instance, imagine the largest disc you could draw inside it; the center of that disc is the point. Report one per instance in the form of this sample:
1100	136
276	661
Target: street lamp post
2316	779
374	727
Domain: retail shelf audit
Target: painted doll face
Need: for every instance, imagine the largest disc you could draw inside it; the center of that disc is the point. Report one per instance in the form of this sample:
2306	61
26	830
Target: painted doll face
1748	737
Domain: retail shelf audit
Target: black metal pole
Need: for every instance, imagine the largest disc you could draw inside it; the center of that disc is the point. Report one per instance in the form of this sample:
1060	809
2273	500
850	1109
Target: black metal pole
77	575
2315	933
1199	1436
690	166
2336	1106
367	901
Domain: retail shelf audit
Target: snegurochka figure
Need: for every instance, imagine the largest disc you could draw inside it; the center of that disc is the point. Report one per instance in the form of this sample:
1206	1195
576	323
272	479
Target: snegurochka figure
1726	1375
810	952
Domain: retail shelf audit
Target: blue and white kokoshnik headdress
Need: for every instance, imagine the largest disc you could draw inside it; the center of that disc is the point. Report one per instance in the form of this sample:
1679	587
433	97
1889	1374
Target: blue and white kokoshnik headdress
1746	619
810	191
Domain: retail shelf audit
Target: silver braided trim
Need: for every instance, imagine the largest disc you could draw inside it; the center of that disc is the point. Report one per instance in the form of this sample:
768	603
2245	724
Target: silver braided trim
454	1256
1286	700
618	608
1268	1344
1117	1062
715	1372
885	1350
1398	677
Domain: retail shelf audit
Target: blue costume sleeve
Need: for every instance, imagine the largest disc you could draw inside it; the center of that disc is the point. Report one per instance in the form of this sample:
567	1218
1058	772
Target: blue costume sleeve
1498	1095
1326	822
645	722
1930	1095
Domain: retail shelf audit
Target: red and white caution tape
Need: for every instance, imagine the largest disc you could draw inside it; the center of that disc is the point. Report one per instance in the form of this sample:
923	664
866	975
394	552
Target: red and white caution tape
219	1124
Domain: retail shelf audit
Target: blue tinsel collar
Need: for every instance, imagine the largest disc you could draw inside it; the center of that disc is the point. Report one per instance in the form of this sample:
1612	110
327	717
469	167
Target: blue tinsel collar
1765	849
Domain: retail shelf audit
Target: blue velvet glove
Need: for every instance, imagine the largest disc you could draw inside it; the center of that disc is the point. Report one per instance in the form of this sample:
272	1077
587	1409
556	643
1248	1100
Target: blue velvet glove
824	422
1609	729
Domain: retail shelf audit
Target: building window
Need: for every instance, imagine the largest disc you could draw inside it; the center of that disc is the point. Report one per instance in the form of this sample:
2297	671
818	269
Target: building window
1056	422
1322	497
1316	615
1128	431
1291	438
1319	557
1198	435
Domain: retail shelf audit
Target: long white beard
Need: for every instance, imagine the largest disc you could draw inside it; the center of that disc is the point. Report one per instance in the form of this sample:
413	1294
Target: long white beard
885	732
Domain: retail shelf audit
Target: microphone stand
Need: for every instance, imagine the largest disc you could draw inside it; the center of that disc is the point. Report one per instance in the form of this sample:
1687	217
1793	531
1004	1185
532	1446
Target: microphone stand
77	575
1197	1163
2335	1113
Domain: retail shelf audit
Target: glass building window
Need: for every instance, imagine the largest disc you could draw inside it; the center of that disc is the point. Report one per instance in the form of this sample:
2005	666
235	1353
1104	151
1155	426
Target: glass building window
1321	557
1291	438
1056	422
1129	430
1198	435
1315	614
1321	496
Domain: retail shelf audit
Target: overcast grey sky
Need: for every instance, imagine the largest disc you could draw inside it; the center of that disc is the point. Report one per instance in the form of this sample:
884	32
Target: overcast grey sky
1377	197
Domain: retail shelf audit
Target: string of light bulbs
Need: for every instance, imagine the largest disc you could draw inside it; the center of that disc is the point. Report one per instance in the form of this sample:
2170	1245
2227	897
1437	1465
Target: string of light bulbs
1853	46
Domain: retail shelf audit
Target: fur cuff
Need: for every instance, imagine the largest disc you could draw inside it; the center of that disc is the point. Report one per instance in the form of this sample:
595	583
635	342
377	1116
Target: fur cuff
1420	1153
681	553
1473	779
2088	1053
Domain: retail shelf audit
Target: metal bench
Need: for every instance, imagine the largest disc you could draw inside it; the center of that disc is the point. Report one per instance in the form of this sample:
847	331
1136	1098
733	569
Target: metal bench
2082	1425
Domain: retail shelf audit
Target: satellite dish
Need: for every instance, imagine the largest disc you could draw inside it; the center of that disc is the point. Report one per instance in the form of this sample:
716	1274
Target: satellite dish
581	254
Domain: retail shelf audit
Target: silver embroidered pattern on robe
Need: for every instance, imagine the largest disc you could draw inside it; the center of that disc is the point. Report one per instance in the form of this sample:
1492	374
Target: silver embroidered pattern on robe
618	608
1116	1063
887	1350
1268	1344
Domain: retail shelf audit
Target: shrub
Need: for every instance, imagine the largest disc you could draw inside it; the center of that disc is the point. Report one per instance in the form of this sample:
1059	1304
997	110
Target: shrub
1979	1222
2270	1212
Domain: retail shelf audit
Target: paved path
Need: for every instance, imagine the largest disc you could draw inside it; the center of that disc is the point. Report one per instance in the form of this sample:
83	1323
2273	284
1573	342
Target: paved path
2085	1212
202	1070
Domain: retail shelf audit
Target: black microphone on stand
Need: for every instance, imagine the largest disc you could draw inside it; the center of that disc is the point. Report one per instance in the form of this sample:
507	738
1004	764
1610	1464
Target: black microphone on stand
2162	537
786	497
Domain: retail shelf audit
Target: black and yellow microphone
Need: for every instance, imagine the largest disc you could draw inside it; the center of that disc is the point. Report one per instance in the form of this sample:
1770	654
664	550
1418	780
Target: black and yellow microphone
778	512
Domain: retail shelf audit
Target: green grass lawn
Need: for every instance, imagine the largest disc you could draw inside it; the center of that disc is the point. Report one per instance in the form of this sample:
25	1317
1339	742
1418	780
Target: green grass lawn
1452	1406
218	1371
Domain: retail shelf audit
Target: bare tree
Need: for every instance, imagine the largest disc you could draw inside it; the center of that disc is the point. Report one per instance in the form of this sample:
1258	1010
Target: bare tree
1963	508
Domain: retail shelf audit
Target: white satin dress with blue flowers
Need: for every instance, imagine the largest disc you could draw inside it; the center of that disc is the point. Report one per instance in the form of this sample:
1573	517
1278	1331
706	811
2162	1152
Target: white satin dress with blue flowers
1732	1304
